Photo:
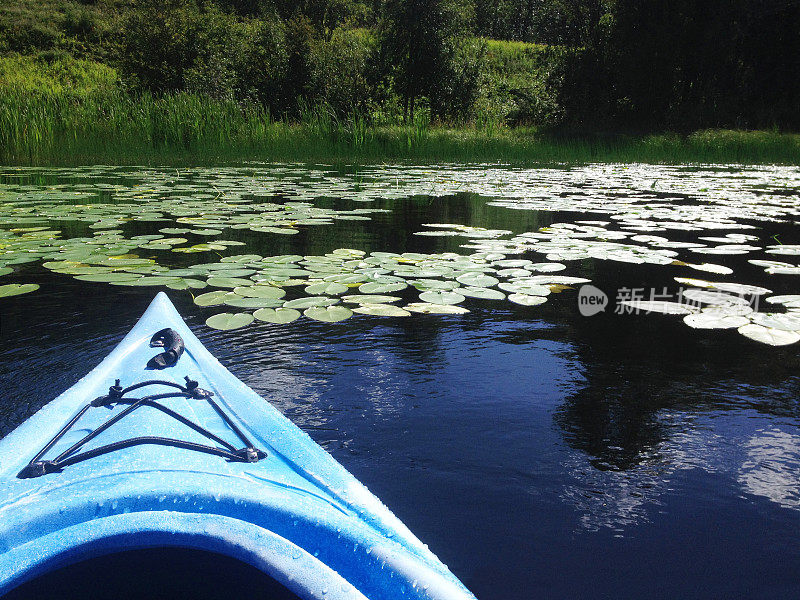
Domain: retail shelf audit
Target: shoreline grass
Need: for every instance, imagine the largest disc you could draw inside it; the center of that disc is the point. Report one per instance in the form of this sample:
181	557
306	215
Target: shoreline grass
112	127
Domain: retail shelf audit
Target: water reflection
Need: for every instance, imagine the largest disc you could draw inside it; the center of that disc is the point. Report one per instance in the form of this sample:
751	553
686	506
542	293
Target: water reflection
772	467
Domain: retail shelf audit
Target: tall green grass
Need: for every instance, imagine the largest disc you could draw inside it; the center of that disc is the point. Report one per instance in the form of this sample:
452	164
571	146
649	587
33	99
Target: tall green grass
112	127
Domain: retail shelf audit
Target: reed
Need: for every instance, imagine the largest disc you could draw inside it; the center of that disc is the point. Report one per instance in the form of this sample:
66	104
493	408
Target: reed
59	126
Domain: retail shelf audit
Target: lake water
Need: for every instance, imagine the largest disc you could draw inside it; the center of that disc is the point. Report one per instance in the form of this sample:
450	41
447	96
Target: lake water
537	451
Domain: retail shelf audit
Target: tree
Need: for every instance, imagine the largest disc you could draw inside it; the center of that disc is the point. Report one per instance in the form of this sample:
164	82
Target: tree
418	42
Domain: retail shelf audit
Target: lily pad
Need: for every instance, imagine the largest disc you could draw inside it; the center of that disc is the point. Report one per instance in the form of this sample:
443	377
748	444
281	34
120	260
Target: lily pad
328	314
435	297
212	298
240	302
782	321
712	297
658	306
532	289
228	282
381	288
16	289
483	293
370	299
768	335
228	321
436	309
711	268
551	267
477	280
108	277
326	288
710	320
382	310
187	284
260	291
310	302
526	300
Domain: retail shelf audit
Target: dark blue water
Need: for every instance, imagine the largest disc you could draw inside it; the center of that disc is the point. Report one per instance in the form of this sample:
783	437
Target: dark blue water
538	453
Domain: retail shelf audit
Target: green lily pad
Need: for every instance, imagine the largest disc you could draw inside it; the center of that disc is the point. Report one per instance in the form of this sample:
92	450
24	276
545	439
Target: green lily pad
441	297
436	309
483	293
147	281
228	321
429	285
277	315
6	270
240	302
477	280
381	310
310	302
187	284
108	277
228	282
528	289
212	298
327	288
526	299
242	258
348	279
328	314
15	289
370	299
551	267
260	291
381	288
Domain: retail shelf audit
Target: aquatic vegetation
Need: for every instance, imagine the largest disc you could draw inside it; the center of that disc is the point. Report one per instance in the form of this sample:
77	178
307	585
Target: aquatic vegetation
81	226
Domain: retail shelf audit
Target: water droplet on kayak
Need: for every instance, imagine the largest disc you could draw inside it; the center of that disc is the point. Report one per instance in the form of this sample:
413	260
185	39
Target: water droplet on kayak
324	591
114	505
297	554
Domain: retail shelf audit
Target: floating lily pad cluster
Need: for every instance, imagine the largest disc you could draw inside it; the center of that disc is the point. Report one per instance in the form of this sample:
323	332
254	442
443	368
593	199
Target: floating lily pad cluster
334	286
722	305
649	216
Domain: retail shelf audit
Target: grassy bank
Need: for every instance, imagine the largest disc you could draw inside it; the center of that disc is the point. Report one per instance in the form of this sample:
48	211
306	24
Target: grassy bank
87	118
114	129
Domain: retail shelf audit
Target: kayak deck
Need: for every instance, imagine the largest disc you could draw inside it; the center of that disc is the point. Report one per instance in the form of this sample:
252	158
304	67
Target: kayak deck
293	512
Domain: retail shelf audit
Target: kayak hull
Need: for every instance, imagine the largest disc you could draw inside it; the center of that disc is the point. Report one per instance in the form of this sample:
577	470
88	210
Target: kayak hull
296	514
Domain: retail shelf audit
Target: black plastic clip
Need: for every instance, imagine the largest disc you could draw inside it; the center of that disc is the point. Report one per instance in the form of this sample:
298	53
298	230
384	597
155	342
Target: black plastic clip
114	394
38	468
198	393
251	455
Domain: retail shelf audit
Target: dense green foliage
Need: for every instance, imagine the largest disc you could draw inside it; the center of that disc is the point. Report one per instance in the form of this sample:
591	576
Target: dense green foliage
113	127
384	74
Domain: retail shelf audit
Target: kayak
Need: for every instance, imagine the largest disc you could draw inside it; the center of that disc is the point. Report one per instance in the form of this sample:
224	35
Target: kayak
160	446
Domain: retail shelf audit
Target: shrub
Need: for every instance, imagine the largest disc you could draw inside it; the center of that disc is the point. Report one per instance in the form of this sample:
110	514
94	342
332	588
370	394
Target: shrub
338	71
